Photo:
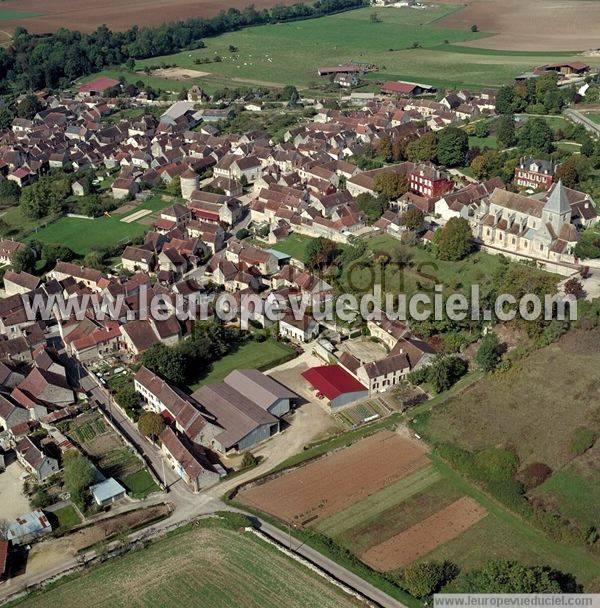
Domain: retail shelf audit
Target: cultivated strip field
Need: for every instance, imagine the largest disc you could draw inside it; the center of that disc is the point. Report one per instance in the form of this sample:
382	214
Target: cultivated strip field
425	536
338	480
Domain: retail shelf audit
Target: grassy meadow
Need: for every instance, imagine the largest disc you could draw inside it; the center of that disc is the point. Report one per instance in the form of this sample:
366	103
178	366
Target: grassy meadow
290	53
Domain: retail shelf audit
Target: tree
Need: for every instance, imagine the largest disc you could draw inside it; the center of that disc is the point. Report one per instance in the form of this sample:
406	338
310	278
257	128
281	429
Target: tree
422	149
412	218
574	170
488	354
482	128
166	362
588	245
174	186
505	100
320	253
52	252
452	147
94	259
371	206
445	372
486	165
536	136
78	475
29	107
390	185
511	577
151	424
506	131
454	241
130	64
127	397
424	578
574	287
23	259
6	118
474	28
9	192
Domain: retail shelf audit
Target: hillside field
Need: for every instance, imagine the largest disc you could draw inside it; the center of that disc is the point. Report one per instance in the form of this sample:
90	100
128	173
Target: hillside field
290	53
208	565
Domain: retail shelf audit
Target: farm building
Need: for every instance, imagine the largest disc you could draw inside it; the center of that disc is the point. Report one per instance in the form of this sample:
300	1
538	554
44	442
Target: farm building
27	527
335	384
348	68
98	86
107	492
391	87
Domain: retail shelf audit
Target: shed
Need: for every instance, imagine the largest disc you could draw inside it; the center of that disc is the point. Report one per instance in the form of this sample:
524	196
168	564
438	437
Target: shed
107	492
336	384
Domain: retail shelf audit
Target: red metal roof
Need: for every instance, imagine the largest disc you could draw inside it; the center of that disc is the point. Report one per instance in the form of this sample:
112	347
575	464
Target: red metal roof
398	87
98	85
332	381
3	556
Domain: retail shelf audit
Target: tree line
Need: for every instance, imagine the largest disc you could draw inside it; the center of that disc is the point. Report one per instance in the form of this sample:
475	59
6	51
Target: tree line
35	62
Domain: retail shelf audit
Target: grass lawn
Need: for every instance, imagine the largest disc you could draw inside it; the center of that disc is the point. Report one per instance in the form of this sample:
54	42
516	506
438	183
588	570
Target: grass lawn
82	235
490	142
66	517
593	116
207	565
425	270
140	484
294	245
290	53
255	355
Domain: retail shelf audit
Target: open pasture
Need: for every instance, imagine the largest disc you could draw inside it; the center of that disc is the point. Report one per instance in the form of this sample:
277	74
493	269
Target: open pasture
406	44
338	480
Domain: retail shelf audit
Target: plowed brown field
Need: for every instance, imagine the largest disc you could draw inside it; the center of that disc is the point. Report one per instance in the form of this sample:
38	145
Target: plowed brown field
530	25
424	537
87	15
334	482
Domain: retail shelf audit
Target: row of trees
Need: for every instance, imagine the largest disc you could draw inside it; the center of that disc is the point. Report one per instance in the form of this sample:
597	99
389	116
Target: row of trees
34	62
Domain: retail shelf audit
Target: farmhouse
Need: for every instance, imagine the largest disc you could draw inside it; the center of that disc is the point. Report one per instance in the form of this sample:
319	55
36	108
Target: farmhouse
410	89
348	68
34	460
19	282
335	384
193	468
299	330
7	250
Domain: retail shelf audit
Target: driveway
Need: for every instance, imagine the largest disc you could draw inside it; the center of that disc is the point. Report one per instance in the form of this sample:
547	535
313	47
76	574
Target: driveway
12	500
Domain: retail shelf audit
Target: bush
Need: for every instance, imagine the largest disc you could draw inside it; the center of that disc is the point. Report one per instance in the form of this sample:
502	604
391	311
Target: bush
583	440
424	578
249	460
495	464
534	475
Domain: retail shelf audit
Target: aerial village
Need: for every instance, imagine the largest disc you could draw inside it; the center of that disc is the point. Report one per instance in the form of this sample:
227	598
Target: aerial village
73	389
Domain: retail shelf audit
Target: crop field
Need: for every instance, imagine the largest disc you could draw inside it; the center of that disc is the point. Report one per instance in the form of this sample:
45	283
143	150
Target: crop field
207	566
307	494
535	25
42	16
290	53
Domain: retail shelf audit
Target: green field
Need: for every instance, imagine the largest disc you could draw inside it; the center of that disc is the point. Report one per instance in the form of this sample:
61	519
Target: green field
594	116
139	484
66	518
7	14
294	245
81	235
208	565
425	269
255	355
290	53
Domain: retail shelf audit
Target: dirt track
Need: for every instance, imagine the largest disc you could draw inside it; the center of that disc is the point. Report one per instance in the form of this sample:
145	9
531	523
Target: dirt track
87	15
424	537
332	483
532	25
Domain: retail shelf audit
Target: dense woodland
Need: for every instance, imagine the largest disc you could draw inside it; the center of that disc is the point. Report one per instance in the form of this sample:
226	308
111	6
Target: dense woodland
35	62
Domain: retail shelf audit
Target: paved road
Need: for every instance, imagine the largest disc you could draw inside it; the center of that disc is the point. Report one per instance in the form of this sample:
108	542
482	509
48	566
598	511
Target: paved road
334	569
